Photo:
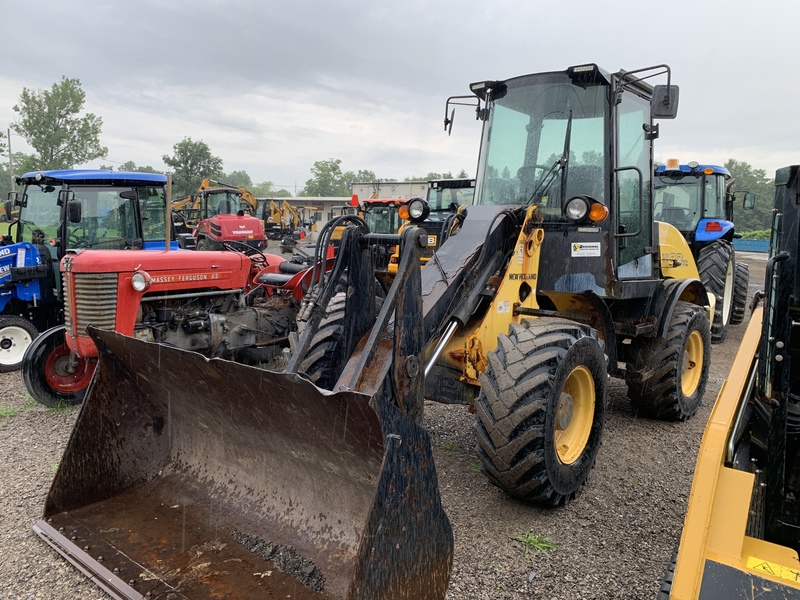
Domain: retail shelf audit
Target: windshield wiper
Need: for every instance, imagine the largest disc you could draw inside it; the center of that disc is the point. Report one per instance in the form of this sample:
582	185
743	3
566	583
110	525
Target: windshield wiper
559	165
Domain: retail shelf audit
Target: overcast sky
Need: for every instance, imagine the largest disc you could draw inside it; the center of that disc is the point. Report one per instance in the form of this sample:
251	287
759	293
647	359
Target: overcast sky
272	87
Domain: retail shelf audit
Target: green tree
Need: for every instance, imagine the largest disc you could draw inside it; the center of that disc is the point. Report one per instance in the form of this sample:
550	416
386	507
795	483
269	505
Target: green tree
327	179
191	163
49	122
265	189
239	179
430	176
750	179
130	167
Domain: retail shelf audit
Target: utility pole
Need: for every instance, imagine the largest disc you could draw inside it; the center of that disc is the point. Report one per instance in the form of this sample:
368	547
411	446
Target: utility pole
10	163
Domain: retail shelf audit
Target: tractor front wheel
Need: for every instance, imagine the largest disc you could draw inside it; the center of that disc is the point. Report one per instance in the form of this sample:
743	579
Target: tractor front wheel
16	334
541	410
679	365
51	374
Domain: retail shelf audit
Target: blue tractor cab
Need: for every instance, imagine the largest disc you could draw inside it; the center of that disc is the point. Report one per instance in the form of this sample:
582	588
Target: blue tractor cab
699	200
58	210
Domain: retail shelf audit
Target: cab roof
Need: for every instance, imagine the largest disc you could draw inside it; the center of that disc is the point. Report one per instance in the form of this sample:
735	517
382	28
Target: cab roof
716	170
92	176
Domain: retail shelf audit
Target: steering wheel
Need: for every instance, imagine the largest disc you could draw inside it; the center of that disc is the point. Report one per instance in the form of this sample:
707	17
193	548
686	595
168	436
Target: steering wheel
254	254
77	241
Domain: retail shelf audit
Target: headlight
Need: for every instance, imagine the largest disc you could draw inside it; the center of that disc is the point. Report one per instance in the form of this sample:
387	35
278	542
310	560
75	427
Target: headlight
140	281
576	209
418	209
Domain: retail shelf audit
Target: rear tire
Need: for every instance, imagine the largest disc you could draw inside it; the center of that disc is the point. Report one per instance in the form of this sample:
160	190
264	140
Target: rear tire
45	374
715	264
541	410
16	334
680	366
741	282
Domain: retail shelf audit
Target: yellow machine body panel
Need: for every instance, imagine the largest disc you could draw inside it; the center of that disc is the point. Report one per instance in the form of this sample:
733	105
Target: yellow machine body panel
677	262
719	503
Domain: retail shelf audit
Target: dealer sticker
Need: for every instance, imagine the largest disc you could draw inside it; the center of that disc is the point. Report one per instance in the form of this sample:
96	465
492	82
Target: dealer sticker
580	249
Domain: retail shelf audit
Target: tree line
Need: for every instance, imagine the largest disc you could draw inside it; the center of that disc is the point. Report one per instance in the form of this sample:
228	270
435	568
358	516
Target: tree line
50	121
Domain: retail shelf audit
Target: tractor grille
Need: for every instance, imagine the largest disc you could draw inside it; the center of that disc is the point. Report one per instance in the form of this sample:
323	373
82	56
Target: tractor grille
96	297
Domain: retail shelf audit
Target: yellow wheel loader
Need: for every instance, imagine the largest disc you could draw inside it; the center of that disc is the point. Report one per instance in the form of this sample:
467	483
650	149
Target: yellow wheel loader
556	278
741	534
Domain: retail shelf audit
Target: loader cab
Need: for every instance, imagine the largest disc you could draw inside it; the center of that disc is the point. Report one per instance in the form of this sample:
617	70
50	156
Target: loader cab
446	195
578	144
382	214
223	202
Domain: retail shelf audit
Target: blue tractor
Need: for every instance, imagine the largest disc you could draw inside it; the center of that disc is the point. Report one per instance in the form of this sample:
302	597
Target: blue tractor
57	210
698	200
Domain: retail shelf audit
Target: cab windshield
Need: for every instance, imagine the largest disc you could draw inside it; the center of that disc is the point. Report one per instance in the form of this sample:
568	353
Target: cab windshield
107	217
683	199
224	203
531	124
382	219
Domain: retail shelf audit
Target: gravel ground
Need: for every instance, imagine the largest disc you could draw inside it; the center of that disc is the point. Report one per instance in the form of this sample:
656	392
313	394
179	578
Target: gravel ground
613	541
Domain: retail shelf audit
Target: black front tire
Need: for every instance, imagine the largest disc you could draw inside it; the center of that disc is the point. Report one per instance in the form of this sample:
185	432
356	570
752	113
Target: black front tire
741	283
715	264
679	363
541	410
45	379
16	334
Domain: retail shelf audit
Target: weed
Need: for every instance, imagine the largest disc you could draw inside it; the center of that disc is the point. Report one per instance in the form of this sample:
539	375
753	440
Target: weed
8	411
476	468
61	406
537	543
447	446
30	403
54	466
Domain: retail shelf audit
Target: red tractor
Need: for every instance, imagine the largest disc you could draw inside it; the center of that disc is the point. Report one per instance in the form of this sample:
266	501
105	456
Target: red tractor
236	305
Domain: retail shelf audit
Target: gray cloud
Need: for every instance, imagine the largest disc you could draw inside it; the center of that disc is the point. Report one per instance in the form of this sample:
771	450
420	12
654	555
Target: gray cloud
274	86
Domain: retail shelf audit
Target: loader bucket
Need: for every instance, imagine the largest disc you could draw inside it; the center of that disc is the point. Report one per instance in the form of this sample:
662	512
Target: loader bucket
188	477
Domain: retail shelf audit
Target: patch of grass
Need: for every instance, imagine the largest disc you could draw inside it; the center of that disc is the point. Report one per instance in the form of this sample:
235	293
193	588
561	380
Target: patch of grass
54	466
8	411
30	403
60	406
476	468
447	446
538	543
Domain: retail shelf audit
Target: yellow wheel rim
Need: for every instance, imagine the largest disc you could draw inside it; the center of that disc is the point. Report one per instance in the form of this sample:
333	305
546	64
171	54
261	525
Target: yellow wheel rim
692	364
574	415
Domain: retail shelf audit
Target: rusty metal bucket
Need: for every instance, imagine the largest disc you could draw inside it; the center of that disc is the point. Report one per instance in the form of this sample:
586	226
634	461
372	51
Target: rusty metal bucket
186	477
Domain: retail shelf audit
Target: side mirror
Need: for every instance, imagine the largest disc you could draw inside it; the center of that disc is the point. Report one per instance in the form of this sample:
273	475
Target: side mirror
749	200
74	211
64	197
664	103
9	207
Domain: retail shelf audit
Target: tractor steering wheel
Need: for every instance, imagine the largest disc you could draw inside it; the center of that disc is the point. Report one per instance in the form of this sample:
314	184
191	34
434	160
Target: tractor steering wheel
250	252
